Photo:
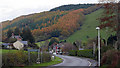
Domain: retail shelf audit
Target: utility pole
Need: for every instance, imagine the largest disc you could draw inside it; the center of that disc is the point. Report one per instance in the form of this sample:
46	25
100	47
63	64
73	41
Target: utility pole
94	48
98	45
41	54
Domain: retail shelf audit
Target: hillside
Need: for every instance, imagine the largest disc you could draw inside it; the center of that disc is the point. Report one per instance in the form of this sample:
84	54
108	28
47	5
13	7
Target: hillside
49	24
72	7
88	30
34	20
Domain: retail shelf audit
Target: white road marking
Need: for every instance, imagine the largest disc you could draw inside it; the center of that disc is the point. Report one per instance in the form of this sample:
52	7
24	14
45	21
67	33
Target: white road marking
90	63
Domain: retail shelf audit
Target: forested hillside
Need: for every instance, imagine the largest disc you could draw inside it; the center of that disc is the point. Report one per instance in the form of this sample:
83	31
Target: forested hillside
72	7
49	24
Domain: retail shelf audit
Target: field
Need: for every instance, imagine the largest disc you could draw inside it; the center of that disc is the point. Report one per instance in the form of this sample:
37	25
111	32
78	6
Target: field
88	30
7	51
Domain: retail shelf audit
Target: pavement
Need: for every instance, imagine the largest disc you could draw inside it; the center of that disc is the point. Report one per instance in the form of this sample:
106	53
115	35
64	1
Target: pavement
75	62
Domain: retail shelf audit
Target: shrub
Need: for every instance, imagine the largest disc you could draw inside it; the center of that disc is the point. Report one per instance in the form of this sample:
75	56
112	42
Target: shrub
73	53
105	48
20	58
67	47
46	57
88	53
85	53
111	58
14	59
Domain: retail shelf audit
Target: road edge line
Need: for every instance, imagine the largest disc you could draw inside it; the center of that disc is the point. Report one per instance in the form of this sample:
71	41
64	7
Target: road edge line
90	63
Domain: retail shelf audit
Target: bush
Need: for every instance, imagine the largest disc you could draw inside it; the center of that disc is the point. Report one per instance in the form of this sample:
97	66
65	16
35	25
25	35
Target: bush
68	47
46	57
20	58
111	58
14	59
73	53
105	48
85	53
88	53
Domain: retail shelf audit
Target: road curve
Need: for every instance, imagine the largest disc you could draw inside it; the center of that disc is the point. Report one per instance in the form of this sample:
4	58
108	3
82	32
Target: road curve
74	62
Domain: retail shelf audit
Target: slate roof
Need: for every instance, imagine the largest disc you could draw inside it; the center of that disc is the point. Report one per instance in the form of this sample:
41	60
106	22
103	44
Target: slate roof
24	42
5	44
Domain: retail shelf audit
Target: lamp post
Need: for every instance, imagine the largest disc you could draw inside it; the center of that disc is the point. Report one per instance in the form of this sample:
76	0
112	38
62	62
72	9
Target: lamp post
98	45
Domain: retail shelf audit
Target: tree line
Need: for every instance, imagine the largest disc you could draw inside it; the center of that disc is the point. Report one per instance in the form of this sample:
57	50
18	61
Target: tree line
24	33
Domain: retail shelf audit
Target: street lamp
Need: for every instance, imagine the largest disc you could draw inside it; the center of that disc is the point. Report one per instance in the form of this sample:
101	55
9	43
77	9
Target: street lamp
98	45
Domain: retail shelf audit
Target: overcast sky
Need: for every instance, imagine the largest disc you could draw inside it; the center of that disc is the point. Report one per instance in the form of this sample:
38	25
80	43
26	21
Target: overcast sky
10	9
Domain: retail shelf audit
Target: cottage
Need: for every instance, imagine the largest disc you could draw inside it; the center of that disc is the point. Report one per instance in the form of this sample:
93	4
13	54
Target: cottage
18	37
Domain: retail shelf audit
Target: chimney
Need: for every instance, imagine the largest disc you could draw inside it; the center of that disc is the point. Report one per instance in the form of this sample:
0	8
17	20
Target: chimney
12	35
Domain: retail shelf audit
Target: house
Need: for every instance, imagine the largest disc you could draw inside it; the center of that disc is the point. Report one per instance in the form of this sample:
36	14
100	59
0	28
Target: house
20	44
18	37
7	45
58	48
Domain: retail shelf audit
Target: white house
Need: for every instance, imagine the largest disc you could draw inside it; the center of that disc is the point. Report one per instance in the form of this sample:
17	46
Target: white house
20	44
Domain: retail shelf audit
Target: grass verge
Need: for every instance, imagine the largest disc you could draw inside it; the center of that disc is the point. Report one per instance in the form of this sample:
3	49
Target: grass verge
57	60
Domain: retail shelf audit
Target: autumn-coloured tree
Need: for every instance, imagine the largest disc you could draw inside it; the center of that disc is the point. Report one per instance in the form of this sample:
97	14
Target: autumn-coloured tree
111	16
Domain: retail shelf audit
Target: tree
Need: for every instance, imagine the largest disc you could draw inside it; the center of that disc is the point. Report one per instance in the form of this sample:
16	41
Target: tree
17	31
9	33
55	33
77	44
12	40
67	47
27	35
53	40
111	17
118	27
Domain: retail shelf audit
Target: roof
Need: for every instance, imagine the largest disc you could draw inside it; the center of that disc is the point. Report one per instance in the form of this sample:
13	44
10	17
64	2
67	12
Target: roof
18	45
24	42
16	36
5	44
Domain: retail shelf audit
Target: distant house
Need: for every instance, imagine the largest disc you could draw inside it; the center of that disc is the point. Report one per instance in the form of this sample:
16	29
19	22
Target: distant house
18	37
20	44
7	45
58	48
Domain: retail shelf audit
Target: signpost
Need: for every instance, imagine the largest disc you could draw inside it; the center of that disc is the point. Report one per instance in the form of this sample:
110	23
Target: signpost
34	50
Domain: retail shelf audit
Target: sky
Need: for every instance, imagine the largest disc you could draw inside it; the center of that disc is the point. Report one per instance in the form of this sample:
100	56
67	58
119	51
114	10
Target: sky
10	9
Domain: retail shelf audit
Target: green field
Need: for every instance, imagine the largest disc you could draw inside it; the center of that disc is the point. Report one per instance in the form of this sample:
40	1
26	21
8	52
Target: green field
7	51
89	28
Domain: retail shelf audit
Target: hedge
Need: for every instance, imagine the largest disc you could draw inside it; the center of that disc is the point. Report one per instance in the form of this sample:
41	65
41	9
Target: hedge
73	53
20	58
88	53
85	53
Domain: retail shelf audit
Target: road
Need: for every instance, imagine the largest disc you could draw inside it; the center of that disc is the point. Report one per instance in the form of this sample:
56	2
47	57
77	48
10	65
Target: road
74	62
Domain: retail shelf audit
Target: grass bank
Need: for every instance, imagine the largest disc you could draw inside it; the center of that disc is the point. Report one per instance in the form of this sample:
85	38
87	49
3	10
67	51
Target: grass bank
57	60
88	29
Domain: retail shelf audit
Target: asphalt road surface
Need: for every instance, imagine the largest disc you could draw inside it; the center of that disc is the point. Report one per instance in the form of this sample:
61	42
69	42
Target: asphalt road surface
74	62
